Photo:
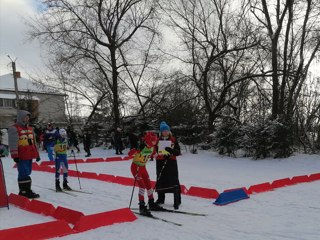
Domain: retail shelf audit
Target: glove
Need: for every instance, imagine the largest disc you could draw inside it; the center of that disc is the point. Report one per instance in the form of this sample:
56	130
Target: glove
169	150
38	159
16	160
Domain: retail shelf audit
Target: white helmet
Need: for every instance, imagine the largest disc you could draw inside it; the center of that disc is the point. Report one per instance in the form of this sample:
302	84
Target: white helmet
63	132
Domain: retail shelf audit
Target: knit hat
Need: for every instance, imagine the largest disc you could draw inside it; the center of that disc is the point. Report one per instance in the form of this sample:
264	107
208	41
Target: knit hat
164	126
63	133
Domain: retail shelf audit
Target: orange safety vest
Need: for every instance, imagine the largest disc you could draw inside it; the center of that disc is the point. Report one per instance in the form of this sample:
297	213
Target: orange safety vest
27	149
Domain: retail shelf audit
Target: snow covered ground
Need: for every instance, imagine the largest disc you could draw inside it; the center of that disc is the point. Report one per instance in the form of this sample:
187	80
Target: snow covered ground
285	213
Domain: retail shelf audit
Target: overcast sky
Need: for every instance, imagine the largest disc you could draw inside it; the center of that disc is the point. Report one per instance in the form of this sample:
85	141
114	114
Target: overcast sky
13	38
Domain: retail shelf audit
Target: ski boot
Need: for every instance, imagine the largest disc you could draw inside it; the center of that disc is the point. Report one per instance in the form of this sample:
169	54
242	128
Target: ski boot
25	188
154	206
65	185
58	188
29	194
143	210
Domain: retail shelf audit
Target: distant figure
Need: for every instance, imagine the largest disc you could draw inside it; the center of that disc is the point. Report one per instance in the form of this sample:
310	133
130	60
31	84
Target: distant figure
87	142
118	141
49	140
73	139
23	149
167	166
133	140
61	161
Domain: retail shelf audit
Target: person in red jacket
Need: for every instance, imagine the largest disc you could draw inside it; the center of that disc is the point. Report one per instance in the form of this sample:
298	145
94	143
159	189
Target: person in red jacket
23	149
167	166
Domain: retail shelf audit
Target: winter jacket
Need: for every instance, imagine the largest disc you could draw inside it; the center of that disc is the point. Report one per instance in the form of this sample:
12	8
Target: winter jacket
167	169
50	138
175	147
22	142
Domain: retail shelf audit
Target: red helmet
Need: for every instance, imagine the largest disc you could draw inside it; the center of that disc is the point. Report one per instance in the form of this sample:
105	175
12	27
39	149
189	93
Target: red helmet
150	139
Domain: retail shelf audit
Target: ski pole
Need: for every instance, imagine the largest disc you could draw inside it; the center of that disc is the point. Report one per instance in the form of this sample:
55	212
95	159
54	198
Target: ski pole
74	157
160	173
134	184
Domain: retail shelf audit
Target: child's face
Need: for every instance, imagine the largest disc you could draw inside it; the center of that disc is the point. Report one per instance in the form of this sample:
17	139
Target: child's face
165	133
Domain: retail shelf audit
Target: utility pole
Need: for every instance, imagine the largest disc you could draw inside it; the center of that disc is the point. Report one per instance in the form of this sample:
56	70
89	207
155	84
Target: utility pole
15	80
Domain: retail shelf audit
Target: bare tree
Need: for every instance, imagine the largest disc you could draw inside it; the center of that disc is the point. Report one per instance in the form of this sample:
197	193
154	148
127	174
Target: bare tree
219	45
292	28
92	33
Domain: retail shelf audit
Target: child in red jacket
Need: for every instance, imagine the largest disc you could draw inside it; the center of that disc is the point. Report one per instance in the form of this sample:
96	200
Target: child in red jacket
140	173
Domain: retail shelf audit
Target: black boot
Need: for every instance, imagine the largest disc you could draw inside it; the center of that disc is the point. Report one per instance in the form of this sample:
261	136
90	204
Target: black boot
143	209
65	185
161	198
58	188
154	206
25	188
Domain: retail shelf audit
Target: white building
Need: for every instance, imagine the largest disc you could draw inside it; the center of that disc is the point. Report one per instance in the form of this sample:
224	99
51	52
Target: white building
45	104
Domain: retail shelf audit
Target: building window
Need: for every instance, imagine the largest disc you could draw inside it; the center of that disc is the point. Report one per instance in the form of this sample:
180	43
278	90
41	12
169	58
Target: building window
7	103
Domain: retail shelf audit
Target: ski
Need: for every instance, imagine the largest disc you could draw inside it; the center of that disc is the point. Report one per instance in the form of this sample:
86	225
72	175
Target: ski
79	191
52	189
69	193
158	218
177	211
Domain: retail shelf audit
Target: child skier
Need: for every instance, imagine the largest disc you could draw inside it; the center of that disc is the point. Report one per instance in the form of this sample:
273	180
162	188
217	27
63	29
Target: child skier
61	161
140	173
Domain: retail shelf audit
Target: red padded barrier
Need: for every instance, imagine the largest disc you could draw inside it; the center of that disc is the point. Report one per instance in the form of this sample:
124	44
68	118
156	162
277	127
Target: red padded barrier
4	201
69	215
40	207
111	159
281	183
35	166
37	231
19	201
300	179
93	160
89	175
124	181
106	177
258	188
104	219
184	190
202	192
73	173
72	161
127	158
47	163
314	177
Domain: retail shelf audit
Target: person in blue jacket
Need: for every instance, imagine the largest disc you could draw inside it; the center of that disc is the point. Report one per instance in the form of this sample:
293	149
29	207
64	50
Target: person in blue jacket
49	140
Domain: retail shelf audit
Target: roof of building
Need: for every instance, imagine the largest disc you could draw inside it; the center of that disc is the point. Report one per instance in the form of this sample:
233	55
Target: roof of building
24	85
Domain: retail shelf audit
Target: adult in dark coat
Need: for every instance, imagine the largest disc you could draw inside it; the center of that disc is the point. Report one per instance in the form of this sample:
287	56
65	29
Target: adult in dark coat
167	166
87	142
133	140
118	144
73	139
